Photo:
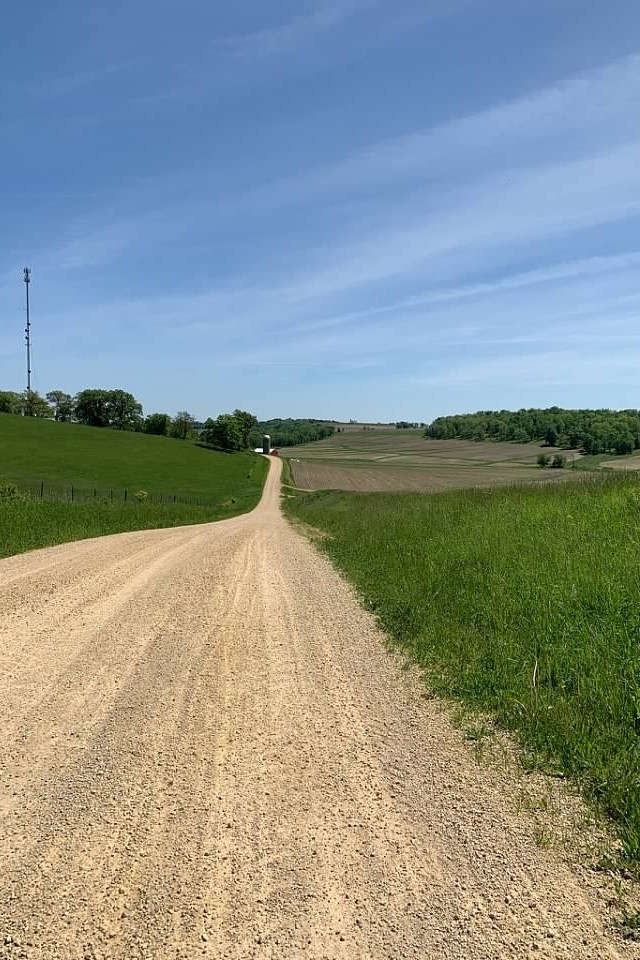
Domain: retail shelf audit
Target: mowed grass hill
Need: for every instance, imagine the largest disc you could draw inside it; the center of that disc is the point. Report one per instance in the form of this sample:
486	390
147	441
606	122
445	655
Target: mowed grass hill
71	482
387	460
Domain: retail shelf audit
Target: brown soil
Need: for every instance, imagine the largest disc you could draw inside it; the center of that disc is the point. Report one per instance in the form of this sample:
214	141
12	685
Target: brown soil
206	751
329	475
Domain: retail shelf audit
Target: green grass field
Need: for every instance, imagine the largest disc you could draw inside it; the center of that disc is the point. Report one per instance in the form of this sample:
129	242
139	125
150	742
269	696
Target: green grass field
521	601
39	455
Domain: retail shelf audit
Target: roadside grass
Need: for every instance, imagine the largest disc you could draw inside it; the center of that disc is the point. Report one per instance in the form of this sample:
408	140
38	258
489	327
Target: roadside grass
522	603
286	477
29	524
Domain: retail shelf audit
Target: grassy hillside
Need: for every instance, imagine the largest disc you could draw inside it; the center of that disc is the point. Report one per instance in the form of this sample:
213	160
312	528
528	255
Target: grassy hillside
100	465
524	602
60	454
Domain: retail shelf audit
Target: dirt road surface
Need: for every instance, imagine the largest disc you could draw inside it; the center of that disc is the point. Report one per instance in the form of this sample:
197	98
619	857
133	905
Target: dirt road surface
206	751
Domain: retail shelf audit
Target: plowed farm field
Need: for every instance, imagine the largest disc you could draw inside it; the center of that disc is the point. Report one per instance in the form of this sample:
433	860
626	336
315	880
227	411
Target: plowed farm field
387	460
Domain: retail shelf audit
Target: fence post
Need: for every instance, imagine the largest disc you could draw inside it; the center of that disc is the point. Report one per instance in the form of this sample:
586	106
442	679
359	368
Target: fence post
72	493
125	494
112	496
41	489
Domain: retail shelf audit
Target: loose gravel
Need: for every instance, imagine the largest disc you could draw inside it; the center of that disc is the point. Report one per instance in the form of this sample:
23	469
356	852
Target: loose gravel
207	751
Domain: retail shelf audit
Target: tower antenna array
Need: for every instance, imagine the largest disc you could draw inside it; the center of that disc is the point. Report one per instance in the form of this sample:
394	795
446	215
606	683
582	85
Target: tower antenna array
27	329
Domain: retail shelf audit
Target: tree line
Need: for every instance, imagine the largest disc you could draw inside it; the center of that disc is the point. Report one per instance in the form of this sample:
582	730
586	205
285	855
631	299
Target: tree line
119	410
593	431
291	432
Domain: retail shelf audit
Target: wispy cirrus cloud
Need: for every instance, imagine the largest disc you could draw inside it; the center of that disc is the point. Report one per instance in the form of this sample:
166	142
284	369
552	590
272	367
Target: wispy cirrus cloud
589	269
326	31
597	296
291	34
566	159
322	19
472	226
575	116
415	231
511	180
549	326
548	368
70	84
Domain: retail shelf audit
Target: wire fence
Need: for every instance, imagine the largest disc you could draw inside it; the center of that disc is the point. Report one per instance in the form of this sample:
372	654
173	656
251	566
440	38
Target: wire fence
133	496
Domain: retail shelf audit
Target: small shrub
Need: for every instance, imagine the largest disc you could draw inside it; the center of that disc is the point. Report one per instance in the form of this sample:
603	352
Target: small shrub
633	499
558	462
141	496
543	460
9	491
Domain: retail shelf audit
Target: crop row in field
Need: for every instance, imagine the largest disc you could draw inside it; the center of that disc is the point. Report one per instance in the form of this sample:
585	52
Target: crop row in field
412	445
522	601
327	475
405	460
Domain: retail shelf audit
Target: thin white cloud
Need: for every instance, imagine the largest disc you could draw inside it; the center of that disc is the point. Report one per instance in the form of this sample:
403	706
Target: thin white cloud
589	267
474	225
580	114
290	35
548	367
473	210
66	84
323	33
567	300
569	324
324	18
568	161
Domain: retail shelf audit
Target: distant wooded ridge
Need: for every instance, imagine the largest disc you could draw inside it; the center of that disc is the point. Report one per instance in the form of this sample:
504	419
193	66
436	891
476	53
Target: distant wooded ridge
290	433
593	431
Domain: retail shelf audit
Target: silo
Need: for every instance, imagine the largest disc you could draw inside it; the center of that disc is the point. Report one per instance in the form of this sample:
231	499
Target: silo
266	443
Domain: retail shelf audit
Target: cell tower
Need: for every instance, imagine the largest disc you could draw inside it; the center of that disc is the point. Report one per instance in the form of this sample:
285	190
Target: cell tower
27	329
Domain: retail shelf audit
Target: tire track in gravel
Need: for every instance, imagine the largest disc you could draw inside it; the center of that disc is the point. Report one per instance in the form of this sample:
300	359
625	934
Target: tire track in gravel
207	751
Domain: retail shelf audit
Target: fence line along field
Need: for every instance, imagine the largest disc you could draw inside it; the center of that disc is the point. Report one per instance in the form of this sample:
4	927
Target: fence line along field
64	481
384	460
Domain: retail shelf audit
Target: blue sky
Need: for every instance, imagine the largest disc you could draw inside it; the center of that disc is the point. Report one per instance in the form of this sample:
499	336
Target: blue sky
333	208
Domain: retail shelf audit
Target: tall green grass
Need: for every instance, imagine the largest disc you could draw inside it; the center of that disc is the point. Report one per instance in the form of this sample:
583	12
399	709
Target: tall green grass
29	524
524	602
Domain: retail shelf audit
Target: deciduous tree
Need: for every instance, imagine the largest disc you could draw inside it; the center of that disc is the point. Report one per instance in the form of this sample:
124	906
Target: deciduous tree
108	408
248	422
157	424
10	402
33	405
225	433
62	404
182	425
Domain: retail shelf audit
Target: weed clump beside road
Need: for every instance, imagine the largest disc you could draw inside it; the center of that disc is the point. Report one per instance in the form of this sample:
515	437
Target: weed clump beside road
522	601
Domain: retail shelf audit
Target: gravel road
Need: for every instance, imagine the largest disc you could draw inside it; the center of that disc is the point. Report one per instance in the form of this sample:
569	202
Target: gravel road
206	751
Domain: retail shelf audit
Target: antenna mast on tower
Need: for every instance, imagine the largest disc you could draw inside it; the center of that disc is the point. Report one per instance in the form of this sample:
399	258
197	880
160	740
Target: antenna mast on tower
27	329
